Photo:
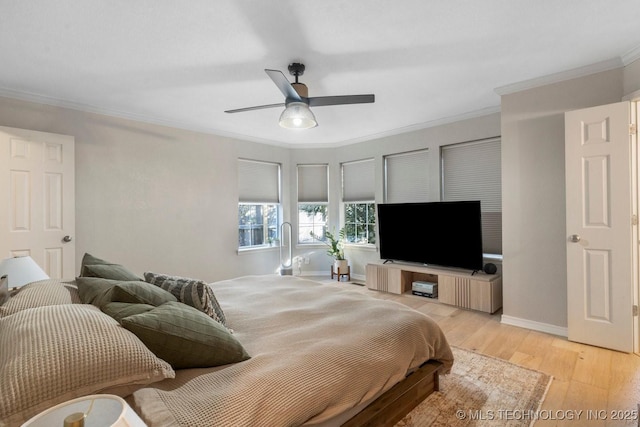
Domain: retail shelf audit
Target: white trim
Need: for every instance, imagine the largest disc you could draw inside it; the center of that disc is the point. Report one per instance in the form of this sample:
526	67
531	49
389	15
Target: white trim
533	325
359	277
315	273
248	250
354	277
418	126
633	96
369	247
631	56
87	108
598	67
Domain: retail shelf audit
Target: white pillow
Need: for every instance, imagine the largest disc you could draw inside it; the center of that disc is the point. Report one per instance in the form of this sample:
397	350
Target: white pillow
51	354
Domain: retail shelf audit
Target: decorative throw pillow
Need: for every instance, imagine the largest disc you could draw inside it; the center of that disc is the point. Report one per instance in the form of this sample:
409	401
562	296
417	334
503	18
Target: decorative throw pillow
4	289
99	291
120	310
51	354
140	293
195	293
95	290
40	294
95	267
185	337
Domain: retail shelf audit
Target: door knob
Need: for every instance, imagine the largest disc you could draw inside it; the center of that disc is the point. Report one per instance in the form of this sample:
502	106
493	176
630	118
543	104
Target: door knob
66	239
574	238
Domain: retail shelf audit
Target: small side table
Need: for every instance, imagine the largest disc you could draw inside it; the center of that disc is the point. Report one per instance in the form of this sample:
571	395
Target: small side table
339	276
102	410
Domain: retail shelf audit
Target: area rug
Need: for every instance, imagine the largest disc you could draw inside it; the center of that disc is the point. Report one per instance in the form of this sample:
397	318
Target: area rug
482	391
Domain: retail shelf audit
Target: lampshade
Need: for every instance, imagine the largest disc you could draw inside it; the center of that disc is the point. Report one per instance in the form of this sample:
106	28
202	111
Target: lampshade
99	410
21	270
297	115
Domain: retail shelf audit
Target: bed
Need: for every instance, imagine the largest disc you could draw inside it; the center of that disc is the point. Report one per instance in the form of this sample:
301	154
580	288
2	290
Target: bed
315	355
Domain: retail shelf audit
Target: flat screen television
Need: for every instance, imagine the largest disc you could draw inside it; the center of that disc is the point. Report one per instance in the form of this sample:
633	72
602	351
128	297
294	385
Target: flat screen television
445	234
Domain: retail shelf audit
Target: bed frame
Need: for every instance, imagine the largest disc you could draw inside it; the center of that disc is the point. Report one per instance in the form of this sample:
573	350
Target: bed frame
399	400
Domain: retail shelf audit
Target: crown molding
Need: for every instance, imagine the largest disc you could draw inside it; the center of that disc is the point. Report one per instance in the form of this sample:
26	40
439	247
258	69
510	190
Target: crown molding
419	126
598	67
87	108
631	56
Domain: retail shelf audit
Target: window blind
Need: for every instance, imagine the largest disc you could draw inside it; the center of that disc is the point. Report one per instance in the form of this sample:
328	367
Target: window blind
258	182
407	177
313	183
472	171
358	181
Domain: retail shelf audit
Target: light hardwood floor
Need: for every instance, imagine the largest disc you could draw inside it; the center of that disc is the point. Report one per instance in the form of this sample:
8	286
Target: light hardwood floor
601	383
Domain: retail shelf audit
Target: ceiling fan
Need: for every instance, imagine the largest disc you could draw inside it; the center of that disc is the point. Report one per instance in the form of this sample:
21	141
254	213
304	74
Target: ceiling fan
297	114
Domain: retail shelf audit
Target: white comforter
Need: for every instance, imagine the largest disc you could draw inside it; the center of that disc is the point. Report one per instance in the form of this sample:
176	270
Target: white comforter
317	351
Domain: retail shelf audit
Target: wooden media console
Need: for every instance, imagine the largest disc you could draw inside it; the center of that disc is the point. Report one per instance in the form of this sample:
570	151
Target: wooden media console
480	291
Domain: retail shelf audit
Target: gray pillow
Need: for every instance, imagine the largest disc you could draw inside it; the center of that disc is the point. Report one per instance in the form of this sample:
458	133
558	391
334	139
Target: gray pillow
185	337
195	293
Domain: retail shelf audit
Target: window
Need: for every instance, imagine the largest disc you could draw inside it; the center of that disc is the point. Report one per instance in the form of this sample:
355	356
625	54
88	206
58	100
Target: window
360	223
258	204
313	200
358	197
258	224
406	177
472	171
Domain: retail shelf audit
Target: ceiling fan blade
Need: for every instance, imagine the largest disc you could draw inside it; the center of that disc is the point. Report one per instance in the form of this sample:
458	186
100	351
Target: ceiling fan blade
319	101
258	107
283	84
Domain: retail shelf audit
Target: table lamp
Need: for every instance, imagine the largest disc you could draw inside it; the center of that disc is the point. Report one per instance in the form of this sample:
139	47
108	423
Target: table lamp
21	270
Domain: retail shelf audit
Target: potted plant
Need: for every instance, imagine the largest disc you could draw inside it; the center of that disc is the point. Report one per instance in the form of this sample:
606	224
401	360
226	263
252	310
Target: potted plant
336	250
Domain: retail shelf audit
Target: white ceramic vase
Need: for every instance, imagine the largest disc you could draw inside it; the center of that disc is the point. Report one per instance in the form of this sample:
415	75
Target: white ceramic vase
340	266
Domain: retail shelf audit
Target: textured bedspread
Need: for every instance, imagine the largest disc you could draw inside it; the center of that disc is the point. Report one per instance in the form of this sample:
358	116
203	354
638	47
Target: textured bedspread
317	351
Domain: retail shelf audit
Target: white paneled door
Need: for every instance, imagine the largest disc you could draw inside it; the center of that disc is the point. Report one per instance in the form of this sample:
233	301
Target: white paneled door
37	205
599	168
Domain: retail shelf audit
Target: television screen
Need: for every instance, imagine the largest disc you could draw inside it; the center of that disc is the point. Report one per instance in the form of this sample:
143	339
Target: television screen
438	233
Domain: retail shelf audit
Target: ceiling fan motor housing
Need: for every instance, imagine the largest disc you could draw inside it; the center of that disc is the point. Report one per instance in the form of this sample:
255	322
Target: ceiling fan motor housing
302	89
296	69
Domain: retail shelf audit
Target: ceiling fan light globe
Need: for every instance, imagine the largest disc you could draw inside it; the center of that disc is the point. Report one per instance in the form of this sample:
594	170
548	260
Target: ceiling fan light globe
297	115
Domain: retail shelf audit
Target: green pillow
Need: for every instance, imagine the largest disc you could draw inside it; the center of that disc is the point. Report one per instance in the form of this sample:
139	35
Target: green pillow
120	310
185	337
95	290
99	291
95	267
89	259
140	293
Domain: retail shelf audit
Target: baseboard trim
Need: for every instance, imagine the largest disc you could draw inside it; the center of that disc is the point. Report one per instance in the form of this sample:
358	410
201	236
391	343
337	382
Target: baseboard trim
313	273
533	325
354	277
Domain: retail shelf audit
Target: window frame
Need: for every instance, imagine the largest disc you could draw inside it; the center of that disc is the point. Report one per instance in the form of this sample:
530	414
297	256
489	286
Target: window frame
314	193
358	188
267	239
411	167
484	197
258	187
370	206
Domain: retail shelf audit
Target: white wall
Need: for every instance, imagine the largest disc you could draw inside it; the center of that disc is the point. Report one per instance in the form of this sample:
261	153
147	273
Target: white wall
533	192
632	77
152	197
432	138
157	198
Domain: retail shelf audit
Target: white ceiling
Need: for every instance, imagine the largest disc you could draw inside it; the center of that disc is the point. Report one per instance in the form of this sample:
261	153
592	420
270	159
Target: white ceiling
182	63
